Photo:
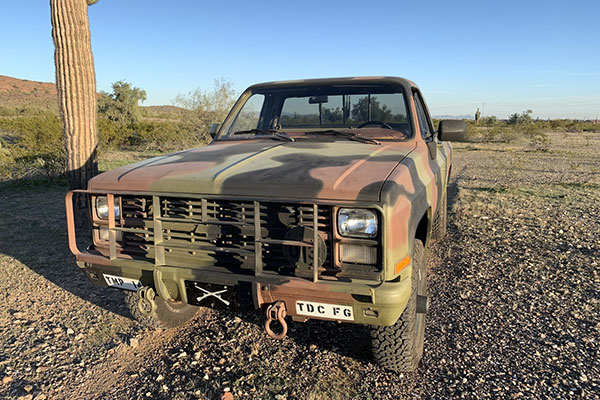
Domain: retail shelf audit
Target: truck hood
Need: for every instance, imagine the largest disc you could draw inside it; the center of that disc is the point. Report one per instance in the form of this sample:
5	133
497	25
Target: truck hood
338	170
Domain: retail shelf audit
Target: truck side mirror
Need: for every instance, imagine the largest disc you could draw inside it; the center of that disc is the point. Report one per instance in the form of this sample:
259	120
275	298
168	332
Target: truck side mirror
214	128
452	130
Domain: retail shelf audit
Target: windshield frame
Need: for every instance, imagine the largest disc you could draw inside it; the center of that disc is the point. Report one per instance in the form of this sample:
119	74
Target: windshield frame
313	88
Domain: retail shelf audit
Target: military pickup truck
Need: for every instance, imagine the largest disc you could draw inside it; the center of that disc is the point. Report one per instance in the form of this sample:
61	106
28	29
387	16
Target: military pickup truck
316	199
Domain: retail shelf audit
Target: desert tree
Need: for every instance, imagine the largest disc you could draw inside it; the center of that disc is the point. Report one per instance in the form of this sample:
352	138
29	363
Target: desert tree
122	105
76	84
206	107
520	119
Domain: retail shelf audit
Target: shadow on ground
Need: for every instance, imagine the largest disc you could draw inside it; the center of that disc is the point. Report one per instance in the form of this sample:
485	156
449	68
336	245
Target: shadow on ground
34	233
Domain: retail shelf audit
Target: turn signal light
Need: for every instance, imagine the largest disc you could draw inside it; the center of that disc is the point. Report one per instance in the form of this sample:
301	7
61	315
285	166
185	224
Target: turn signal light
400	265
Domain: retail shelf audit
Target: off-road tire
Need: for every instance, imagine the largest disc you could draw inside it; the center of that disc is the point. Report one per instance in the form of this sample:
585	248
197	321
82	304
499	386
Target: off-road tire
168	314
400	347
440	219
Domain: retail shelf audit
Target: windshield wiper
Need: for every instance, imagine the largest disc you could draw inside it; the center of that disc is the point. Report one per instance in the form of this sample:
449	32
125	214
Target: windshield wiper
347	135
270	133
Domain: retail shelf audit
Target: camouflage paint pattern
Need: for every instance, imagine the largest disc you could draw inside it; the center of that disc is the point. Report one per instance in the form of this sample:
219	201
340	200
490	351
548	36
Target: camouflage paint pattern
404	179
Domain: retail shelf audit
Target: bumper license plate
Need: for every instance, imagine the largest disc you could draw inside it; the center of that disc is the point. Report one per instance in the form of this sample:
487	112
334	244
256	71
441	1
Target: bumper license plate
323	310
122	283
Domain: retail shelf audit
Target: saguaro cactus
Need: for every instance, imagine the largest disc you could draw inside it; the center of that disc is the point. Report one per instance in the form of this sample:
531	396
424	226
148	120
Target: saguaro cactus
76	84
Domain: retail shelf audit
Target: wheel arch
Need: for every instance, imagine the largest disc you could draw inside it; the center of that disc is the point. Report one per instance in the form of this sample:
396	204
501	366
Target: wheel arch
423	227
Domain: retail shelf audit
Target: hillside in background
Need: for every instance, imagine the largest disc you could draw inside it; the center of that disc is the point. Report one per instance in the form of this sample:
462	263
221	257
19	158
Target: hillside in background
23	93
20	93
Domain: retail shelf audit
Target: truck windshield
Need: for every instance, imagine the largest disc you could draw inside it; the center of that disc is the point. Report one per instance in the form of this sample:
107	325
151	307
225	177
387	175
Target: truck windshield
378	111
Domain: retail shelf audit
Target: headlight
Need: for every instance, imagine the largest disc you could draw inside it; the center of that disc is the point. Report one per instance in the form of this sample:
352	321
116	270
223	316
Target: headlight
102	207
357	222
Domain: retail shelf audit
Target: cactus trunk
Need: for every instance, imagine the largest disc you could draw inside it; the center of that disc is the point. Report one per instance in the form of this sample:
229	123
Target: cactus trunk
76	84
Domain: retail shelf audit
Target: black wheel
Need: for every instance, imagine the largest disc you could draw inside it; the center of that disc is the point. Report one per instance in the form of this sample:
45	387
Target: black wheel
440	219
400	347
380	123
168	314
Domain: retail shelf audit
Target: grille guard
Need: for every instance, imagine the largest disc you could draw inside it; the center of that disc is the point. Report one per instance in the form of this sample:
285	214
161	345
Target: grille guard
158	235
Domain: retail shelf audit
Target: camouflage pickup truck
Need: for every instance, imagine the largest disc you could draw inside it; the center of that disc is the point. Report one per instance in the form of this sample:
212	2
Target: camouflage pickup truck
316	199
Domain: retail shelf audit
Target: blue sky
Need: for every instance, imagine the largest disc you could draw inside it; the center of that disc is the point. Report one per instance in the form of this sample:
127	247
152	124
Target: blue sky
510	55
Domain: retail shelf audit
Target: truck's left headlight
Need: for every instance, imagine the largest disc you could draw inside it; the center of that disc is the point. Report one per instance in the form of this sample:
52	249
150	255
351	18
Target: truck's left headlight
357	222
102	207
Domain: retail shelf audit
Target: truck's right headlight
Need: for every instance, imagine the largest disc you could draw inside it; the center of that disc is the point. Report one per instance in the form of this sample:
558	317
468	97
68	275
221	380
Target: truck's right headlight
102	207
357	222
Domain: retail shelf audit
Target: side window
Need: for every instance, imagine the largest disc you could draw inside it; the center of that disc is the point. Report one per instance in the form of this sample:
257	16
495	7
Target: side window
422	116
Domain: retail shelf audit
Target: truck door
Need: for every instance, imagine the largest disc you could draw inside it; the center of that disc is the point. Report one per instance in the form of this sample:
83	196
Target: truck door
438	159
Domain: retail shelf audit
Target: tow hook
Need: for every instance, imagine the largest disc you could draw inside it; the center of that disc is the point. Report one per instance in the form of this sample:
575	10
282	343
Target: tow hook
276	311
146	303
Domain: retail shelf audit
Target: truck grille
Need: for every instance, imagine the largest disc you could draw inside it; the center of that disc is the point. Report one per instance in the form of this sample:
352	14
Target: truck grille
205	233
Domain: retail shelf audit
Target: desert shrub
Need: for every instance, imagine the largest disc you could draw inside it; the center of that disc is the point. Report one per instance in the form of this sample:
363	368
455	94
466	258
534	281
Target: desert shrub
504	133
7	111
558	124
31	145
582	126
569	125
36	134
111	134
535	135
472	132
572	126
49	165
490	120
163	135
7	162
145	135
540	141
591	127
499	133
520	119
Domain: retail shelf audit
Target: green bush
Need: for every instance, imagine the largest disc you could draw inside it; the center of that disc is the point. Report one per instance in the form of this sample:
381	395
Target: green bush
164	135
122	104
146	135
31	145
490	120
111	134
520	119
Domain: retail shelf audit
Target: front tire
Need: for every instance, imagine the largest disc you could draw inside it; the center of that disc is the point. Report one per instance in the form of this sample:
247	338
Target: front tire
168	314
400	347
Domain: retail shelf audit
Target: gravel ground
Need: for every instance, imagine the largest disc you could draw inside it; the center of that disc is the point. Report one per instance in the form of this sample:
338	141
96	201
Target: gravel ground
515	304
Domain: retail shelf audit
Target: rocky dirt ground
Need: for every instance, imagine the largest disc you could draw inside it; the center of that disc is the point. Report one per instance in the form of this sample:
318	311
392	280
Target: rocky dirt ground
515	304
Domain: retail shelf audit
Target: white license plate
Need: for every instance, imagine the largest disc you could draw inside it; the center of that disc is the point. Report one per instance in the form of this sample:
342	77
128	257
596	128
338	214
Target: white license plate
122	283
323	310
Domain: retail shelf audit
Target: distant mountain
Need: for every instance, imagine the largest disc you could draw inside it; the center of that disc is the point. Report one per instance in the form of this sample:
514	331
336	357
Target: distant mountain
21	93
454	116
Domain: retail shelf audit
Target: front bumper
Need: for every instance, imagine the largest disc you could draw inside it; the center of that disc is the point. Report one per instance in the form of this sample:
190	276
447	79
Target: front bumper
372	303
